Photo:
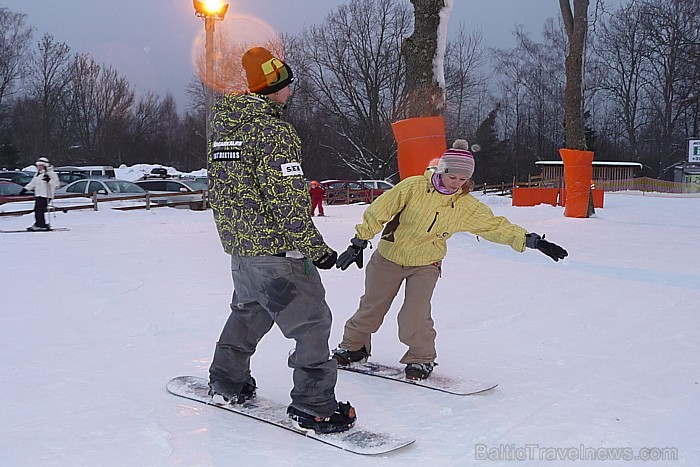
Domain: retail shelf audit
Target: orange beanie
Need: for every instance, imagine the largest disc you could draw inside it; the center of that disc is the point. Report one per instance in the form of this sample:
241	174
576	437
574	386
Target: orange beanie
265	73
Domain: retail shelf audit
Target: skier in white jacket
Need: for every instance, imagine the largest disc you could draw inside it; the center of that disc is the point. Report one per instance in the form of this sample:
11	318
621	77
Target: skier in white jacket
44	185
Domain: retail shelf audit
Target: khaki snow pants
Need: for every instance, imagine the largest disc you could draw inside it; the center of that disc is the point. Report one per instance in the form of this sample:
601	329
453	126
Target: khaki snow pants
383	279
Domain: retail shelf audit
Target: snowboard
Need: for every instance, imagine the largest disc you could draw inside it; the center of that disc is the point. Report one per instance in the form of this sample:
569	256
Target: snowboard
56	229
357	440
457	386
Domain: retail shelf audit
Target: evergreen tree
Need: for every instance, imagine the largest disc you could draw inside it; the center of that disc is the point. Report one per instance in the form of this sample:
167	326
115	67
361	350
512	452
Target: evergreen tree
491	162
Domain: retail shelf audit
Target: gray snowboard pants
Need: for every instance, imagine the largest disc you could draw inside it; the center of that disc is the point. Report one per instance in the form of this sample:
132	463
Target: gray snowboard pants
288	292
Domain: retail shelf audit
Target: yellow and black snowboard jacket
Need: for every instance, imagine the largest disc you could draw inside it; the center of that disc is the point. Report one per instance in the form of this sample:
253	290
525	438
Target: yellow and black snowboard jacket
256	184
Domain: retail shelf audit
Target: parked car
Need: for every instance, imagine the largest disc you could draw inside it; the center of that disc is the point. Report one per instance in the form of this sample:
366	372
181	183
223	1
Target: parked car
176	185
345	192
377	186
69	174
17	176
112	190
99	171
197	178
105	188
10	191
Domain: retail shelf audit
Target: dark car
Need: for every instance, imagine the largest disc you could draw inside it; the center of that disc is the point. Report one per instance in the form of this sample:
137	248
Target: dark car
10	191
16	176
70	174
176	185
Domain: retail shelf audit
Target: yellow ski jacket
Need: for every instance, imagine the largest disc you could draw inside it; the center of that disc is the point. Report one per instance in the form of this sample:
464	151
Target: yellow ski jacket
419	220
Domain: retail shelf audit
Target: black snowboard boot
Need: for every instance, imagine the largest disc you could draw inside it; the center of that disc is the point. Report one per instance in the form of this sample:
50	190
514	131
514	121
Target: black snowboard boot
340	420
232	393
345	357
418	371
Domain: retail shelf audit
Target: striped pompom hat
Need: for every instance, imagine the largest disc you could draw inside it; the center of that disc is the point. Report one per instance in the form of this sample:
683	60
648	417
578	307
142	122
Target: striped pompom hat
457	160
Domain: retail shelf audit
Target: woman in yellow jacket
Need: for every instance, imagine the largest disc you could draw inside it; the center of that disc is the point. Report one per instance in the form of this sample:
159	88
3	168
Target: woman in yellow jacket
417	217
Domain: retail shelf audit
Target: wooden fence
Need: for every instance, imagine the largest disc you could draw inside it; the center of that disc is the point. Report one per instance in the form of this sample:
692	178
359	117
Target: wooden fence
645	184
347	195
148	199
649	185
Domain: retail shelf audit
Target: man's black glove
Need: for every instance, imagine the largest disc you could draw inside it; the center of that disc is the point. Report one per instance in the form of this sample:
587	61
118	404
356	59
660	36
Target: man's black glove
326	261
554	251
46	177
352	255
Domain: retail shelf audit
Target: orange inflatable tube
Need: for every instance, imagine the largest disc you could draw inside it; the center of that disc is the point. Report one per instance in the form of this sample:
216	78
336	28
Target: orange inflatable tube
420	140
578	174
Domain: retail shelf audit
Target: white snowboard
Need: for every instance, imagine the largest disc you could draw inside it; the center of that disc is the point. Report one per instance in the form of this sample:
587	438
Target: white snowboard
357	440
458	386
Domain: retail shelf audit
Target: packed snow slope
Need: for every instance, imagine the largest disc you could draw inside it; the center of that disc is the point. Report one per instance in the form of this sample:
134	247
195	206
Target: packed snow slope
596	356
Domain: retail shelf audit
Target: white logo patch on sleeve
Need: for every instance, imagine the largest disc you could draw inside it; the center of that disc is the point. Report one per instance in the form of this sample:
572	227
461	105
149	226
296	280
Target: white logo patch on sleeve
291	168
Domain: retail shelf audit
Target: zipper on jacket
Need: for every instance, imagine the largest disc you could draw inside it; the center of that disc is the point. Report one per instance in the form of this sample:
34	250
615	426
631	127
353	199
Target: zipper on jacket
434	220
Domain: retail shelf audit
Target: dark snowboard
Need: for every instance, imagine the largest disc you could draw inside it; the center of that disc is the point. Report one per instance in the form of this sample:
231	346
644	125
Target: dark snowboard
57	229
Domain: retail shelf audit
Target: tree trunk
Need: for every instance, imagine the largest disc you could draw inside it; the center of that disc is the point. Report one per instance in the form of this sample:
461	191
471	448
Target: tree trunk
424	96
576	24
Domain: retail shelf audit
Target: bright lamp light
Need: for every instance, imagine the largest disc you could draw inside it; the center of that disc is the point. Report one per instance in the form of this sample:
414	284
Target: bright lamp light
210	8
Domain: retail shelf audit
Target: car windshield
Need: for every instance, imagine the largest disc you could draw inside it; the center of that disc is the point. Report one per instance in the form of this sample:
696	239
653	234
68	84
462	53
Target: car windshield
120	186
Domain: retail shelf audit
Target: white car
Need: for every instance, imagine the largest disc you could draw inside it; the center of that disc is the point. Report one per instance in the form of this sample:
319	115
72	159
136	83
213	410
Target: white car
106	189
377	184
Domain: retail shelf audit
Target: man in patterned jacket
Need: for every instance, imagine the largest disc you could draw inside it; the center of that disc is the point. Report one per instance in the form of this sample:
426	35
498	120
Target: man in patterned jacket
262	213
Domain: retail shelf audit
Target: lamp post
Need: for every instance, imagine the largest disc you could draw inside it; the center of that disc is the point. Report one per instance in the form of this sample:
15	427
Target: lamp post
211	11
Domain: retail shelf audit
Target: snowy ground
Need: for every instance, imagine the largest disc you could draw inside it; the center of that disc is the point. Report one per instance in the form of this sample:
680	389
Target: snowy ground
594	355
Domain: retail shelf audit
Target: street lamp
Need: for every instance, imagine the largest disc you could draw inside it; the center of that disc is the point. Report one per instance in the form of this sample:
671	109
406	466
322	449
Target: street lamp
211	11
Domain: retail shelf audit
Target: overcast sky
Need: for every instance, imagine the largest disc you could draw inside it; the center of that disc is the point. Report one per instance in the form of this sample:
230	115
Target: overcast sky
151	41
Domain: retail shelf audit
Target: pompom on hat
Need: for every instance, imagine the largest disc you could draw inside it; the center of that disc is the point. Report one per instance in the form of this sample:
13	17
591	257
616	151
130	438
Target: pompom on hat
265	73
457	160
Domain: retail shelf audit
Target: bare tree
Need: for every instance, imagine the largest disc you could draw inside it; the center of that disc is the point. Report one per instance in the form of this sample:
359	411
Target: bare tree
674	41
100	103
48	82
620	56
532	80
576	23
15	39
355	73
465	80
425	93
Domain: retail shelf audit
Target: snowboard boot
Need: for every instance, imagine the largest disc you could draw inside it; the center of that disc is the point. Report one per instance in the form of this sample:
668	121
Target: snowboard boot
418	371
345	357
341	420
231	393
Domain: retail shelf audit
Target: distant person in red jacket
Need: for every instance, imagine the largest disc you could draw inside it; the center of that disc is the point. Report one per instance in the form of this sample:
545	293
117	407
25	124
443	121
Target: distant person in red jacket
317	194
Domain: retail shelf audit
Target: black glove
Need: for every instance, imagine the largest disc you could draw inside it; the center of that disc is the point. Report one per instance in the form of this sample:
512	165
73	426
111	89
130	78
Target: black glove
352	255
46	177
326	261
23	191
554	251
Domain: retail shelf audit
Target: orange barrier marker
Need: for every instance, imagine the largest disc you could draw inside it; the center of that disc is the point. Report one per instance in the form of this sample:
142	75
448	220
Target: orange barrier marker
578	174
420	140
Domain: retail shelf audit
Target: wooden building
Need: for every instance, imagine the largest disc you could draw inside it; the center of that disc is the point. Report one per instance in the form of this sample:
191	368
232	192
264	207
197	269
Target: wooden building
609	176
